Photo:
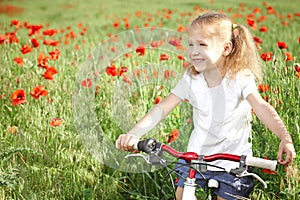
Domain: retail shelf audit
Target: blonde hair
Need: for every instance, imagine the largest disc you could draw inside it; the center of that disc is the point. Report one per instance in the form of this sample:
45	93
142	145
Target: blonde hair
244	54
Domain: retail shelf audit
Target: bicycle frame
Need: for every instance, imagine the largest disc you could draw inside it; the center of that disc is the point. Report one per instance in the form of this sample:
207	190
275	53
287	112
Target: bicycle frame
154	148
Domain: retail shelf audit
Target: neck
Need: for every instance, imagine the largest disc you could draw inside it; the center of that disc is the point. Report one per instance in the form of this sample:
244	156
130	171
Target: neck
213	77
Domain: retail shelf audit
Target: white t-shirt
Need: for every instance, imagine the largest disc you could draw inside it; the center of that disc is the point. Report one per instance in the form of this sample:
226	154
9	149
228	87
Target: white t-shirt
221	115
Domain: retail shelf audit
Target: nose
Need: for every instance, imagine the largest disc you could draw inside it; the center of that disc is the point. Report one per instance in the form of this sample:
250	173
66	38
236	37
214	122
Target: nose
194	50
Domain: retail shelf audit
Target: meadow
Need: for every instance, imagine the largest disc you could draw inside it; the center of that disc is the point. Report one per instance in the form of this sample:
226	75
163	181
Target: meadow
72	80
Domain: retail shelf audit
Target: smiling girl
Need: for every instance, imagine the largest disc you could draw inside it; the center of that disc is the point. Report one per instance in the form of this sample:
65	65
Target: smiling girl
220	86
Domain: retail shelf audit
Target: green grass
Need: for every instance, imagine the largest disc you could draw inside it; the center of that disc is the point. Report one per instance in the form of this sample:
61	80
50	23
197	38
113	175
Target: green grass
39	161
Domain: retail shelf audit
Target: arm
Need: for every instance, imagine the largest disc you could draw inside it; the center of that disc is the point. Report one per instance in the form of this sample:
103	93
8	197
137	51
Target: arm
148	122
268	115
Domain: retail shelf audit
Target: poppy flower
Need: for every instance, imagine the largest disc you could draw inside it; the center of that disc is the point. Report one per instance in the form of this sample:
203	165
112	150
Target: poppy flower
33	29
34	43
140	50
50	32
112	70
18	97
288	56
54	54
50	71
164	57
38	91
263	29
51	42
174	42
56	122
251	23
282	45
86	82
180	57
174	135
156	44
123	70
257	39
26	49
267	56
43	60
2	38
157	99
263	88
19	61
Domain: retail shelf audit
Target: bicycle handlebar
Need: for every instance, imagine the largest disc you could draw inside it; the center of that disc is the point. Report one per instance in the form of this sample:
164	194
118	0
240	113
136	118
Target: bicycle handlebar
152	145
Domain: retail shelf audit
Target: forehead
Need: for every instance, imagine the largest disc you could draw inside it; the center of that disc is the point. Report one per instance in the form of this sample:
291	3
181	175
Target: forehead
196	35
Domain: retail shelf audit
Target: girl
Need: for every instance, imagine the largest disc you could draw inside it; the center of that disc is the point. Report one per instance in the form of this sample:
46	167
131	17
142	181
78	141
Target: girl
220	86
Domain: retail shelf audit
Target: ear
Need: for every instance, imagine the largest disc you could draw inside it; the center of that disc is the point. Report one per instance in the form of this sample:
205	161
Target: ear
227	48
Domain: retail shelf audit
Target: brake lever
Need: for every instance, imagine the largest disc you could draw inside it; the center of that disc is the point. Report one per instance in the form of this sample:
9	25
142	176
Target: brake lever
246	173
145	157
151	159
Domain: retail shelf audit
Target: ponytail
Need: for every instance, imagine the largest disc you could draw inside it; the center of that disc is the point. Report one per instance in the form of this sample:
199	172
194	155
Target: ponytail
244	54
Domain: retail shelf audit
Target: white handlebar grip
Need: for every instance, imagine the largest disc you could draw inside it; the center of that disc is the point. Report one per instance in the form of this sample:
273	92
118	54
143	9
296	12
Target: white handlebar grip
261	163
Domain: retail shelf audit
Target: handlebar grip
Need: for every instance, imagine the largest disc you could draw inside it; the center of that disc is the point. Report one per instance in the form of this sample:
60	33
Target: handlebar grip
261	163
147	145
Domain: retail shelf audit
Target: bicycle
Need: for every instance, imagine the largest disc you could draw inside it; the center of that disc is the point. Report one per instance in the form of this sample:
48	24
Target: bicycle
198	163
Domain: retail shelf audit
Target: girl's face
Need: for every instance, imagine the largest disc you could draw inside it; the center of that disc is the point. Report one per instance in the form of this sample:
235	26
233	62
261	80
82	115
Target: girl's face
204	53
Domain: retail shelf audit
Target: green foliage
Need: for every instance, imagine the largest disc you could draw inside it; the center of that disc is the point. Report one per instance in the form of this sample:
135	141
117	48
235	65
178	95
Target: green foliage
40	161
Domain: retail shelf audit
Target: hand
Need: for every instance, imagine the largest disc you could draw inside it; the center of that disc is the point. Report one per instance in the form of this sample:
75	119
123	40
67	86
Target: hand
287	148
127	142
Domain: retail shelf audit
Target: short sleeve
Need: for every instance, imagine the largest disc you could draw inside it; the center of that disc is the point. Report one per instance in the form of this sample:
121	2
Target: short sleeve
247	83
182	87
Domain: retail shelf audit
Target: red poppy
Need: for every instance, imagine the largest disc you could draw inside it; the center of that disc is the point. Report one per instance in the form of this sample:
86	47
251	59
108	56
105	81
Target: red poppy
174	135
38	91
15	22
263	29
50	71
299	40
2	38
33	29
25	49
180	57
257	39
181	28
263	88
50	32
43	60
267	171
19	61
140	50
112	70
261	18
156	44
157	99
288	56
251	23
282	45
34	43
175	42
51	42
12	37
18	97
267	56
297	68
56	122
164	57
87	82
54	54
123	70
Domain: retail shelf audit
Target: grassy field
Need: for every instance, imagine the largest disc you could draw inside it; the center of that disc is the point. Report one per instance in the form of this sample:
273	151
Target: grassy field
57	140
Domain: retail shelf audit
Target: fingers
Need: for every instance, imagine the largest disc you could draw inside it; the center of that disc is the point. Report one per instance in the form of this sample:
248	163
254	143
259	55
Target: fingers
290	154
126	142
